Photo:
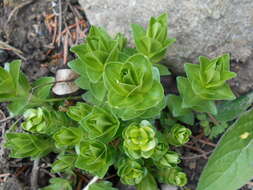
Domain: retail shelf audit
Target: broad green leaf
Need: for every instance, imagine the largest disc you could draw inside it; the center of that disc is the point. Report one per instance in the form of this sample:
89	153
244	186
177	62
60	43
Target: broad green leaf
102	185
148	183
14	67
88	97
78	66
98	90
191	100
24	145
230	165
229	110
6	80
138	32
42	87
83	82
187	118
19	106
24	84
164	71
58	184
175	106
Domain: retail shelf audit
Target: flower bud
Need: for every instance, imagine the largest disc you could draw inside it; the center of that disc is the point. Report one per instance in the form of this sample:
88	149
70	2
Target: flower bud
34	121
44	121
170	159
159	151
94	157
100	124
172	176
179	135
131	172
139	140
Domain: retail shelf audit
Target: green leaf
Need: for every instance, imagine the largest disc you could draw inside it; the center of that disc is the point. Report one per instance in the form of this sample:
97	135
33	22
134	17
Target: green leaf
14	67
175	106
64	163
100	124
18	107
230	110
191	100
164	71
78	66
131	171
102	185
43	87
24	145
138	32
83	82
187	118
148	183
218	129
6	80
88	97
58	184
98	90
79	111
94	157
68	136
230	165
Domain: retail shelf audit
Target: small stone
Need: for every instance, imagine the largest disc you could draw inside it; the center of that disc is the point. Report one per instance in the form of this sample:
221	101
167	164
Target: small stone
125	187
168	187
63	88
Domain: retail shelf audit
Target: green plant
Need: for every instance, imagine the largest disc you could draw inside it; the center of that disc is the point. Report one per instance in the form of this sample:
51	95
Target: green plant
116	125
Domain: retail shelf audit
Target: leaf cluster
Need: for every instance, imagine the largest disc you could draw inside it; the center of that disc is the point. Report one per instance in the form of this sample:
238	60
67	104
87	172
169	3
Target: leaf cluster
116	124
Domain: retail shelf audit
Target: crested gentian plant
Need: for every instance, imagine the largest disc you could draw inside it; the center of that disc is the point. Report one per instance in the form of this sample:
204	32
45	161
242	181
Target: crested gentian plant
117	122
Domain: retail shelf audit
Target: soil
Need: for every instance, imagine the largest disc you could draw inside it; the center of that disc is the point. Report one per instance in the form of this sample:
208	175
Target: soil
40	32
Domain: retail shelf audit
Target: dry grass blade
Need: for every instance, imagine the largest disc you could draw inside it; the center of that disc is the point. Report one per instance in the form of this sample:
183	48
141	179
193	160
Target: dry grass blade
34	175
16	9
5	46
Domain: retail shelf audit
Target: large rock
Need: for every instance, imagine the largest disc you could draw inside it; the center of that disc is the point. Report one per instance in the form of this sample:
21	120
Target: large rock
201	27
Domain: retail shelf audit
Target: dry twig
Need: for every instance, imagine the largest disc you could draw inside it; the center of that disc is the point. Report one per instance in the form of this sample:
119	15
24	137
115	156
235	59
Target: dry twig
60	22
14	12
34	175
19	53
197	150
196	156
204	142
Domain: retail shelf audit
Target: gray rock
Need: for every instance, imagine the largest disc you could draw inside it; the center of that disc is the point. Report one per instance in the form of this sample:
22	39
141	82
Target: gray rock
201	27
168	187
121	186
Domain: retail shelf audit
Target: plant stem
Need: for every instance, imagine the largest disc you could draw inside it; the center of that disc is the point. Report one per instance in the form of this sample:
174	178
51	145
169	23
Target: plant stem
213	119
93	180
62	99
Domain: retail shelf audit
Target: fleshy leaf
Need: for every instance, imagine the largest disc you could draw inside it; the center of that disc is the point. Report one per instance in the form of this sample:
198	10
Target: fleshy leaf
230	165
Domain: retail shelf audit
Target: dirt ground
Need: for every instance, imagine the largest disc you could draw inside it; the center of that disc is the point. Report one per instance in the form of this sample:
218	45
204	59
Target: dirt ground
40	32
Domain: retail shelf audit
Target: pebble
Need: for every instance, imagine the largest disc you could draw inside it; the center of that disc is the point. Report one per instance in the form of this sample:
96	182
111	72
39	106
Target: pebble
125	187
63	88
168	187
